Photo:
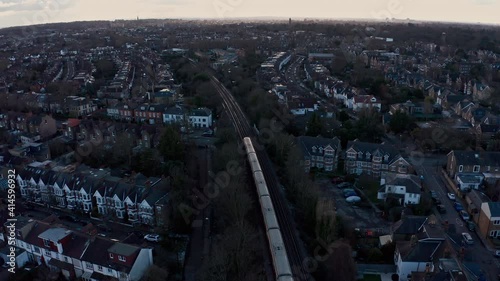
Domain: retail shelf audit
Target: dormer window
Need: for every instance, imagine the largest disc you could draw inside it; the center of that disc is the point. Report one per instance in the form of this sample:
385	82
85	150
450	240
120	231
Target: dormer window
386	158
314	149
321	150
46	243
111	255
360	154
368	156
122	258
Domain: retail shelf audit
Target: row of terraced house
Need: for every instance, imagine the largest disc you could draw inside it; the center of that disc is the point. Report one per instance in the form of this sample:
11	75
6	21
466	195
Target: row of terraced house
136	198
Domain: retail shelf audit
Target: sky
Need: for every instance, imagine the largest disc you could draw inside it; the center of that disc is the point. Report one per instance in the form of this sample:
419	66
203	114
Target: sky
27	12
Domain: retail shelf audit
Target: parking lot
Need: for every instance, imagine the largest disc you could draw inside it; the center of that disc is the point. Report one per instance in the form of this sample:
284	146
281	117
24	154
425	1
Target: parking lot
357	215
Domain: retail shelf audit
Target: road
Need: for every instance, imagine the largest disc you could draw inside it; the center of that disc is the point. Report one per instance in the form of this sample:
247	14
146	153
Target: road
478	253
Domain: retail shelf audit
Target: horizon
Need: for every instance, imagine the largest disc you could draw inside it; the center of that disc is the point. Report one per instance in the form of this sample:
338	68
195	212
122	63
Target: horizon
37	12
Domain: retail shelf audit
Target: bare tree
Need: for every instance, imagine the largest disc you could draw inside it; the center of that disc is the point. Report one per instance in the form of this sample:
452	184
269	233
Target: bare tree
234	201
155	273
341	265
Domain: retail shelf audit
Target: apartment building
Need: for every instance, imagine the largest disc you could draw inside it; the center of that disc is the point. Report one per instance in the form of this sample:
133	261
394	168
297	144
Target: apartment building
321	153
374	159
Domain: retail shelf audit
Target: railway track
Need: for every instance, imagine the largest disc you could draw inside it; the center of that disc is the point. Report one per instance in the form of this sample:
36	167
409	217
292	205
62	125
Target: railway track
283	214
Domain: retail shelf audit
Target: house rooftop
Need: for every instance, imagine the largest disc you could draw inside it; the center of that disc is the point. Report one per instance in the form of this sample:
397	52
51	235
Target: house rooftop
122	249
54	234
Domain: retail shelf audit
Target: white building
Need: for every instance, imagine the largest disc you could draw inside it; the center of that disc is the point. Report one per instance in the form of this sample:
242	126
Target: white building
201	118
405	187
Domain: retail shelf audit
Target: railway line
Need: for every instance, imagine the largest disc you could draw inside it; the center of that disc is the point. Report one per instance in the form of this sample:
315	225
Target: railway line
293	251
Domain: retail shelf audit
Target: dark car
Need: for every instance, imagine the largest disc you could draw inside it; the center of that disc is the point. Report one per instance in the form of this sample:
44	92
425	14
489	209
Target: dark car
434	196
349	194
438	202
458	206
441	209
471	226
337	180
69	218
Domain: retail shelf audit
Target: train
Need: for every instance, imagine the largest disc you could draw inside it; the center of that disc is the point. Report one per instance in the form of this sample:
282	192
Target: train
282	268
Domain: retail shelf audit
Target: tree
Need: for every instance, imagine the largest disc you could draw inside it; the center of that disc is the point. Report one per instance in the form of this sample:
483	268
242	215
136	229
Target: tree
343	116
234	201
314	126
340	265
171	145
400	122
155	273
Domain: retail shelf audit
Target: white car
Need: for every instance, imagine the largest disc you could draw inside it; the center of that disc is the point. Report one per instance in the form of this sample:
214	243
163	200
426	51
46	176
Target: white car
451	196
152	237
467	238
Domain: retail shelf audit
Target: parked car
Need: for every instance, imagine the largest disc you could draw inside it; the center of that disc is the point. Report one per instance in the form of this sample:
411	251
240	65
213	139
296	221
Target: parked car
350	193
337	180
353	199
152	237
438	202
69	218
467	238
344	185
471	226
497	253
451	196
465	216
434	196
441	209
458	206
348	190
103	227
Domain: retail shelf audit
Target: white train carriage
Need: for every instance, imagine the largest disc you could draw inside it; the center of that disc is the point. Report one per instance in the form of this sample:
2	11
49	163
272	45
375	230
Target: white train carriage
278	252
254	162
262	190
248	145
285	278
270	219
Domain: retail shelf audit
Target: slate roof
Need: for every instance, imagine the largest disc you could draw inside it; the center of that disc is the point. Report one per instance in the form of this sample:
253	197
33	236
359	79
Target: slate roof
123	249
494	209
306	144
374	149
54	234
483	158
411	185
409	225
421	252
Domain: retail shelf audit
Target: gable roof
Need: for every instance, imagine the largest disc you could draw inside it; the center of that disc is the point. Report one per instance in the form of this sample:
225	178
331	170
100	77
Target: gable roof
306	143
420	252
482	158
409	225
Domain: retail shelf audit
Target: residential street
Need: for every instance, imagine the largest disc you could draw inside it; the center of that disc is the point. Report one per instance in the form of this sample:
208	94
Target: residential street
476	253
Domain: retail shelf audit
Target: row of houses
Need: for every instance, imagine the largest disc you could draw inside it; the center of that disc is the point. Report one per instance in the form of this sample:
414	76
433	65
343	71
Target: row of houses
79	254
136	198
161	113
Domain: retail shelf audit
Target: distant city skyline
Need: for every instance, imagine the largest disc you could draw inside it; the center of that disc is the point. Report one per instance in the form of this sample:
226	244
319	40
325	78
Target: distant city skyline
27	12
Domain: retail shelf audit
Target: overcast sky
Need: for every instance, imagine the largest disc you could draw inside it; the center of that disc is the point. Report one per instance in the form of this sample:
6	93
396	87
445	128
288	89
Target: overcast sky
25	12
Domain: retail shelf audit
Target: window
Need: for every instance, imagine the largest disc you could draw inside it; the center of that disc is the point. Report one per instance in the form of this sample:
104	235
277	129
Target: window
110	270
368	156
476	168
360	154
47	252
46	243
461	168
99	268
122	258
88	265
111	255
494	233
496	222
